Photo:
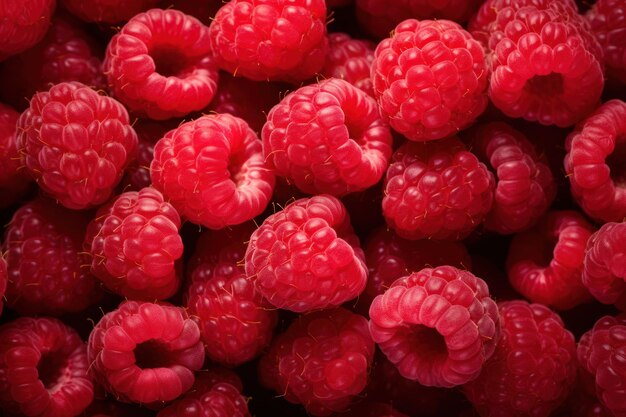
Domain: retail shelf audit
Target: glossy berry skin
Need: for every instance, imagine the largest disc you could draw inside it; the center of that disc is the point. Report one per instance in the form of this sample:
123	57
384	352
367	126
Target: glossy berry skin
306	256
43	369
23	24
545	263
321	361
350	60
276	40
145	352
438	326
76	143
13	179
328	138
533	367
134	245
108	11
430	79
212	171
607	19
594	162
436	190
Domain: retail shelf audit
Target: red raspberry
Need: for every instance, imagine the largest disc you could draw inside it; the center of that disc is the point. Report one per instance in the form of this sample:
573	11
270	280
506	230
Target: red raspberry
369	409
107	11
327	137
212	170
595	162
23	24
583	401
145	352
44	258
3	281
306	256
438	326
160	64
533	367
436	190
525	187
430	79
275	40
43	369
350	60
76	143
545	263
13	180
607	19
204	11
321	361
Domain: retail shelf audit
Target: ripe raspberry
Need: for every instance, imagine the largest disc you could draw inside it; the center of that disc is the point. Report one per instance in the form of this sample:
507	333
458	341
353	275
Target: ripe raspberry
533	367
350	60
23	24
43	369
327	137
545	263
306	256
160	64
13	180
595	162
212	170
44	260
145	352
3	281
436	190
274	40
438	326
369	409
76	143
321	361
204	11
583	401
607	19
107	11
430	79
525	187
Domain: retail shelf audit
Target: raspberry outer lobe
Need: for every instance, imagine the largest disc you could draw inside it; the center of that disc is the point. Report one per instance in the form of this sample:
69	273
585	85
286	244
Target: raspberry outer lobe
350	60
23	24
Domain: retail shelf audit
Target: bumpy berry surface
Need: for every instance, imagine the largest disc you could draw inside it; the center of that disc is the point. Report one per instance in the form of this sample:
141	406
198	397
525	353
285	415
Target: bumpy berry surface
306	256
321	361
107	11
13	178
350	60
607	19
327	137
430	78
212	170
438	326
533	367
43	369
436	190
23	24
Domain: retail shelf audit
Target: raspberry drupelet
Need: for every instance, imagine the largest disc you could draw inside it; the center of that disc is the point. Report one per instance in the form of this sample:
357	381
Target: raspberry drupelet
107	11
14	180
145	352
306	256
212	171
23	24
350	60
328	138
321	361
607	19
438	326
43	369
161	65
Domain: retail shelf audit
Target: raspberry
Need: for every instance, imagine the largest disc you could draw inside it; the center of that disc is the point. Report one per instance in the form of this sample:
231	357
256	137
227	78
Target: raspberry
436	190
533	367
13	180
583	401
438	326
204	11
76	143
160	64
44	261
212	170
351	60
607	19
107	11
430	79
3	281
145	352
306	256
327	137
595	162
525	187
23	24
134	245
43	369
371	410
545	263
321	361
275	40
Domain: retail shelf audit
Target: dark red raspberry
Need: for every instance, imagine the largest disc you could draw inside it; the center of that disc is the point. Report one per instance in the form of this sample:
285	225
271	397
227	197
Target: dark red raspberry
212	170
23	24
327	137
76	143
3	281
436	190
369	409
545	263
43	245
430	79
350	60
14	180
43	369
321	361
107	11
607	19
145	352
583	401
533	367
438	325
306	256
204	11
275	40
206	378
160	64
595	162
